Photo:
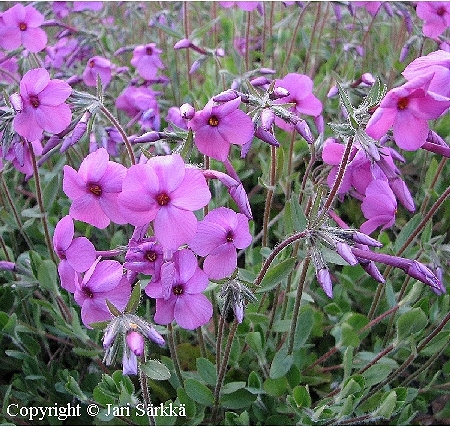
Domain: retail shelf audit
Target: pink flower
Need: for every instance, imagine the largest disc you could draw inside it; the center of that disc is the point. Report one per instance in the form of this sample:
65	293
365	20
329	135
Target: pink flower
43	105
174	116
141	105
103	280
166	192
379	206
245	6
97	65
94	189
19	155
19	25
300	92
436	16
8	69
407	109
87	6
218	235
370	6
146	61
145	256
436	63
216	127
185	301
76	255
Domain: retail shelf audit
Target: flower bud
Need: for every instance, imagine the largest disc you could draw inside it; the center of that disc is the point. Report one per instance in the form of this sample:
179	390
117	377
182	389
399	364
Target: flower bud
279	92
226	96
16	102
129	363
148	137
368	78
333	92
267	118
183	43
303	129
324	279
420	272
362	238
220	52
345	252
259	81
267	71
135	342
187	111
266	136
7	266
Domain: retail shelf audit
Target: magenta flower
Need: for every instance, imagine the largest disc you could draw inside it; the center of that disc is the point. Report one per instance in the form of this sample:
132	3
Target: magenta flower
76	255
436	17
216	127
8	69
19	155
166	192
19	25
218	235
103	280
436	63
43	105
174	117
94	189
379	206
300	92
141	105
245	6
371	6
146	61
407	109
185	303
97	65
145	256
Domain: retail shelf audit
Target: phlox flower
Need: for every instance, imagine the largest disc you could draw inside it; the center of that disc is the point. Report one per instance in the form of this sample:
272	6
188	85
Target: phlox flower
436	63
216	127
300	92
145	256
164	191
146	61
97	65
379	206
141	105
218	235
43	105
8	69
76	255
19	25
94	189
371	6
245	6
103	280
185	303
436	17
407	109
19	155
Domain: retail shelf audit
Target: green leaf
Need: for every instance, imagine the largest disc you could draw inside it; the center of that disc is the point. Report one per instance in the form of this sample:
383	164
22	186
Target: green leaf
299	220
387	405
238	400
155	370
281	364
254	340
51	191
198	392
410	322
207	371
112	308
48	275
410	226
275	387
73	387
231	387
135	298
277	274
354	385
301	396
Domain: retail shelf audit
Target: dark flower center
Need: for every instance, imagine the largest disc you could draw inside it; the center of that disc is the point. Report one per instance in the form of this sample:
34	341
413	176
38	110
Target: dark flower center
91	63
229	236
440	11
95	189
213	121
149	51
87	291
22	27
150	256
34	101
178	290
402	103
163	199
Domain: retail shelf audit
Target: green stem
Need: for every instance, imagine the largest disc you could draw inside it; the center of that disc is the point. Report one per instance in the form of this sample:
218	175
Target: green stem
298	299
146	396
222	371
268	206
122	133
173	353
40	201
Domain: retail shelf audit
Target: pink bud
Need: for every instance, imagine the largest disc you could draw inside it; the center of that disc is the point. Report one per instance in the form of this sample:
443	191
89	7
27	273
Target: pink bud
267	118
16	102
187	111
324	279
184	43
135	342
279	92
345	252
226	96
148	137
259	81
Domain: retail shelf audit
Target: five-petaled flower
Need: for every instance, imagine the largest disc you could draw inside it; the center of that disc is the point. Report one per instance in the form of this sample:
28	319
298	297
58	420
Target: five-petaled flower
43	105
94	189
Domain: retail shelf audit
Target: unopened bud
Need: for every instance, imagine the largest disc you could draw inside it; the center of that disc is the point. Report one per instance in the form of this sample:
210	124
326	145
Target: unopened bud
259	81
279	92
148	137
135	342
368	78
226	96
220	52
303	129
187	111
345	252
266	136
267	118
184	43
324	279
267	71
16	102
